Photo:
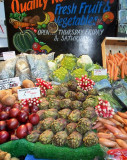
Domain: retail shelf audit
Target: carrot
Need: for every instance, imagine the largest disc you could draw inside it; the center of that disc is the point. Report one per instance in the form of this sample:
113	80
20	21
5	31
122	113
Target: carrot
106	135
122	71
113	129
123	115
116	73
98	124
107	143
116	122
121	61
126	54
121	129
118	118
121	136
117	60
125	71
121	143
108	68
125	121
125	128
120	55
105	121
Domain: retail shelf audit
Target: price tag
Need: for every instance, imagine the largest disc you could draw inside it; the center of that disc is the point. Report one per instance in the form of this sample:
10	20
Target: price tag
9	83
100	72
8	55
28	93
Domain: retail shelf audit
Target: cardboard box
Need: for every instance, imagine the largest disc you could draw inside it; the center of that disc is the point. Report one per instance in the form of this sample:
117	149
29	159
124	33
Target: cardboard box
113	44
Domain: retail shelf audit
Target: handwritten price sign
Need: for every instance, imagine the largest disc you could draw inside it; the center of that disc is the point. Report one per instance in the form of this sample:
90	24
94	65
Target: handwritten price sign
9	83
100	72
28	93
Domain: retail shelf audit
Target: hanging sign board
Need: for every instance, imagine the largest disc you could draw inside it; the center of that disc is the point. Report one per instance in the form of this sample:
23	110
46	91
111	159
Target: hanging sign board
60	26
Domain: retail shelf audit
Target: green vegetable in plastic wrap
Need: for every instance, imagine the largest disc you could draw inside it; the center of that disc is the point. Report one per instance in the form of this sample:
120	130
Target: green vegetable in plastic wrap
77	73
60	75
69	62
97	78
52	65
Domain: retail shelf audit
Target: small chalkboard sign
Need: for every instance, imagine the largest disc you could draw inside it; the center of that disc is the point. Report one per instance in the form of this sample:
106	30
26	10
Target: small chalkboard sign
61	26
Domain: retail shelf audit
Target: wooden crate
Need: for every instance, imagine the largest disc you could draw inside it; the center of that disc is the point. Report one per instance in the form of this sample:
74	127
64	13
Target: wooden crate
113	44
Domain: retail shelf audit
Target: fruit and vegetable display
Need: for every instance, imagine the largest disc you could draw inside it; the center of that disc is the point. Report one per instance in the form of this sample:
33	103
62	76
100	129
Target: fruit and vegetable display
76	107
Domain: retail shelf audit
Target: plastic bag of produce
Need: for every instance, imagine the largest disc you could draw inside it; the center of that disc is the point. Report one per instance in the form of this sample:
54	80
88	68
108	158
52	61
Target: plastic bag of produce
117	154
38	66
22	68
7	68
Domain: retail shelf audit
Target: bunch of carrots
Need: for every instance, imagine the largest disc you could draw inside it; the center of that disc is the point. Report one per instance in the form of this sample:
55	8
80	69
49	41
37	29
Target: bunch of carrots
116	65
112	132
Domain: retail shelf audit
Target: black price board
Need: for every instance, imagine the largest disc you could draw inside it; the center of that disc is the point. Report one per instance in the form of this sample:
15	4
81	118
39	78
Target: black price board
61	26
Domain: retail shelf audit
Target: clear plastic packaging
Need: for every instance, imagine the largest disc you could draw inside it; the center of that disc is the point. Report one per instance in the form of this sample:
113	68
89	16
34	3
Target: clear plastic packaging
38	66
22	68
7	68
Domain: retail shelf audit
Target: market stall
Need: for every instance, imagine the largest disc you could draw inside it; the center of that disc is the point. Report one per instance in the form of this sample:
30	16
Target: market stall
63	95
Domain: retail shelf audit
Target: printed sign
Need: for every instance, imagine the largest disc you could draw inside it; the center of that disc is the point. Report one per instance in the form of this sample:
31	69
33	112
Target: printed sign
100	72
60	26
8	55
28	93
9	83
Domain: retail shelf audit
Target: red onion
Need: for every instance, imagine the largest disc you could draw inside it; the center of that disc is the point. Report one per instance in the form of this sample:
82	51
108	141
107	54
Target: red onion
4	115
17	105
29	127
7	108
4	136
23	116
14	137
34	109
2	125
21	131
14	112
1	107
12	123
25	108
34	118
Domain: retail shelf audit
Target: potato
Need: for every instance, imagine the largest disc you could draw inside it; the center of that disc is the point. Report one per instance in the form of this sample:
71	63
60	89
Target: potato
7	157
37	18
8	91
8	100
14	158
16	95
28	84
26	19
2	94
15	89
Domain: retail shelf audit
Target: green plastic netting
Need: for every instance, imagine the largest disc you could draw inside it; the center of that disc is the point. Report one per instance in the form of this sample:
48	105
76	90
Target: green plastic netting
22	147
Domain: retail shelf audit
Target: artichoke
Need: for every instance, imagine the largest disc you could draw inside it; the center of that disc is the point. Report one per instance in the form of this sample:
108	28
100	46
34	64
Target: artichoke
46	137
52	91
59	139
74	116
33	136
64	113
89	112
41	114
90	102
90	139
71	127
76	104
84	125
70	95
65	103
72	85
46	123
54	103
49	97
58	125
93	92
62	90
81	96
74	140
51	113
44	105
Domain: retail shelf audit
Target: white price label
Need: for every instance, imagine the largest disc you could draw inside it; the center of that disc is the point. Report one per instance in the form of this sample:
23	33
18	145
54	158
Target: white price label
8	55
100	72
9	83
28	93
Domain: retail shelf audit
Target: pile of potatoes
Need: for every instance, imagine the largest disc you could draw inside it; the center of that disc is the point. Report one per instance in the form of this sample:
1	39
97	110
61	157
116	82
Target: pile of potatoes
32	20
9	96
